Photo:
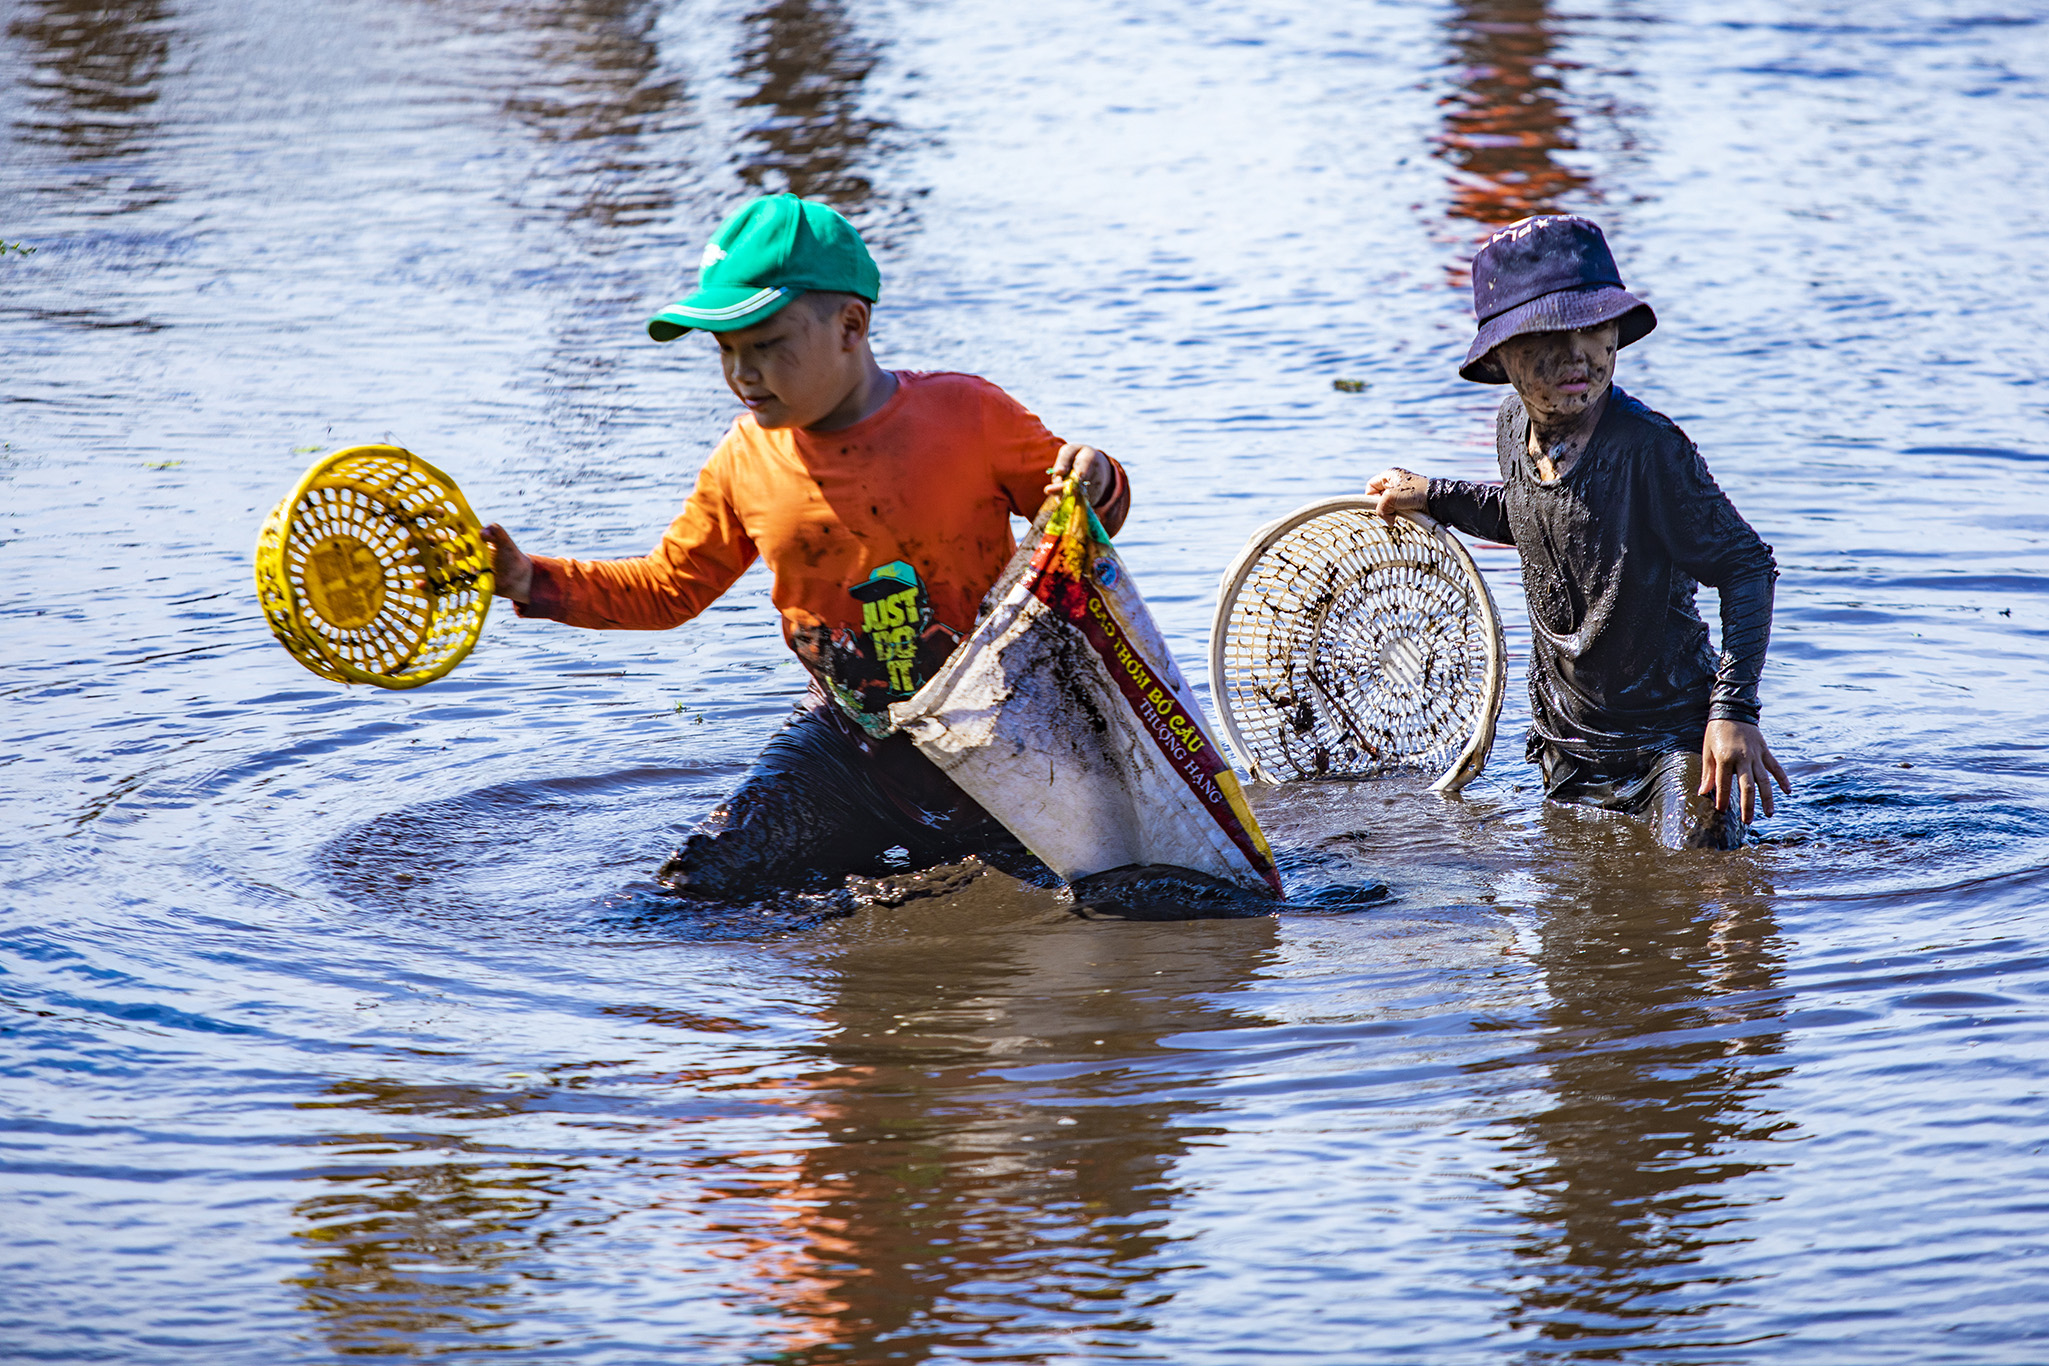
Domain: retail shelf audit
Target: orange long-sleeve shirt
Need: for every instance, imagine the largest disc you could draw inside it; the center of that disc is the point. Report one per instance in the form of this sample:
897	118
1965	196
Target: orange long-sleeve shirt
882	537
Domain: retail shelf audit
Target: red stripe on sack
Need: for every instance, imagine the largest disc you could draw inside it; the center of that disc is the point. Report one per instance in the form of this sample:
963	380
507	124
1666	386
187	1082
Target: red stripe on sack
1187	747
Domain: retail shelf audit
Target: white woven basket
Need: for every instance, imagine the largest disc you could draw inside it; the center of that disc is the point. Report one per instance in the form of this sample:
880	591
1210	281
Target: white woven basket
1349	646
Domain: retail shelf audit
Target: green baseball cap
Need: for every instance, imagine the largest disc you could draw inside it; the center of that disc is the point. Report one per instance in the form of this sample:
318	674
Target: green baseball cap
761	258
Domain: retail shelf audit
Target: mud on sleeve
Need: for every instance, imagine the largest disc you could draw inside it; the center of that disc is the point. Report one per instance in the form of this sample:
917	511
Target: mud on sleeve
1709	539
1477	509
700	556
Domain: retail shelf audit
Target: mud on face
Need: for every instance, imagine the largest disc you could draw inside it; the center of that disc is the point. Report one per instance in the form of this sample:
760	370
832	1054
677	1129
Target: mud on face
1560	375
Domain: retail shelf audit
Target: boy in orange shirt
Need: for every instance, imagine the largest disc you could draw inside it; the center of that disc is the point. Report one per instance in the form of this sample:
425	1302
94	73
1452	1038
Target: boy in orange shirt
881	501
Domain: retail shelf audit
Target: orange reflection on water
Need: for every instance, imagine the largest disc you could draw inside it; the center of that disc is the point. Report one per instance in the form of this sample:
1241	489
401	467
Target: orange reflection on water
799	1254
943	1209
1507	118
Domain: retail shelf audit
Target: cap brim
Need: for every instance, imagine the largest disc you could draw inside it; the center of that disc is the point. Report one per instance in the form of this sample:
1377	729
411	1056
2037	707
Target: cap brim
721	308
1567	310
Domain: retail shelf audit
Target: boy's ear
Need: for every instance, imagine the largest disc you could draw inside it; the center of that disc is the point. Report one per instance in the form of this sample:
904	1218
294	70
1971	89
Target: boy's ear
853	321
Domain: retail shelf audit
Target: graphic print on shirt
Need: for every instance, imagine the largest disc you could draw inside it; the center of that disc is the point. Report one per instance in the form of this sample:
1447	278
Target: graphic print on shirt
897	646
895	610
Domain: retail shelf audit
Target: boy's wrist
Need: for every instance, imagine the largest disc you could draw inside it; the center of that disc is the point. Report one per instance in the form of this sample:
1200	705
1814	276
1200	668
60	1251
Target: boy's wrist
516	581
543	591
1109	483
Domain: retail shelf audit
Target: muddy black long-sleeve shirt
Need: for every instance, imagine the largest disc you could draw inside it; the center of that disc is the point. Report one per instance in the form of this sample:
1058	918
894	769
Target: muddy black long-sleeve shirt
1612	554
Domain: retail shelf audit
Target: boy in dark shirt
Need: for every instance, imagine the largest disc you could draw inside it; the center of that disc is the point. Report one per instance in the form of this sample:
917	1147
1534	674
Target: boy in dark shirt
1617	520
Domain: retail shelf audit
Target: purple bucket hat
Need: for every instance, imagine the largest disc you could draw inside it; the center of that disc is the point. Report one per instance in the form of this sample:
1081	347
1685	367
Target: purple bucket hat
1546	275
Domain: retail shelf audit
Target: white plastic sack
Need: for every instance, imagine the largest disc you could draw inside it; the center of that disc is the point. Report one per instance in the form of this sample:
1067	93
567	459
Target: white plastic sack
1064	715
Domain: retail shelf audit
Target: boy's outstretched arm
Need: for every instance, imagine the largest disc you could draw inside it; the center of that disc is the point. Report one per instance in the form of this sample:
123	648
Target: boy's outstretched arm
699	557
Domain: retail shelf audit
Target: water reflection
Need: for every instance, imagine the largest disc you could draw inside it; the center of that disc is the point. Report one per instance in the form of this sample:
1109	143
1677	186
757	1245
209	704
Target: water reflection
977	1158
985	1173
1507	120
93	84
418	1242
1660	1043
598	92
807	64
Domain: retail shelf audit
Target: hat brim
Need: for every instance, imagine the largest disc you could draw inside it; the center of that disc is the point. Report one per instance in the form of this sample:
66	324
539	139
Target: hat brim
721	308
1567	310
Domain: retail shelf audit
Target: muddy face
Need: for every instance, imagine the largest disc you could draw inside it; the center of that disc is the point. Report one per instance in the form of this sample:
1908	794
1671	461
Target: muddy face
1560	375
798	369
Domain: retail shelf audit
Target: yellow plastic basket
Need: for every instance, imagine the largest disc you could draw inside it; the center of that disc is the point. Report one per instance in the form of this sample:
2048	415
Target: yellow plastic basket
374	570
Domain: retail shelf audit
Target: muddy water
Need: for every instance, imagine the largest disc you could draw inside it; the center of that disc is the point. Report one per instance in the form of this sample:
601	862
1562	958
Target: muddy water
335	1025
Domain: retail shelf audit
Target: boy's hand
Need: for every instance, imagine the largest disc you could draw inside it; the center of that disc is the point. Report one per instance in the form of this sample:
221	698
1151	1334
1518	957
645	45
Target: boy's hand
1399	491
1091	463
512	569
1735	753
